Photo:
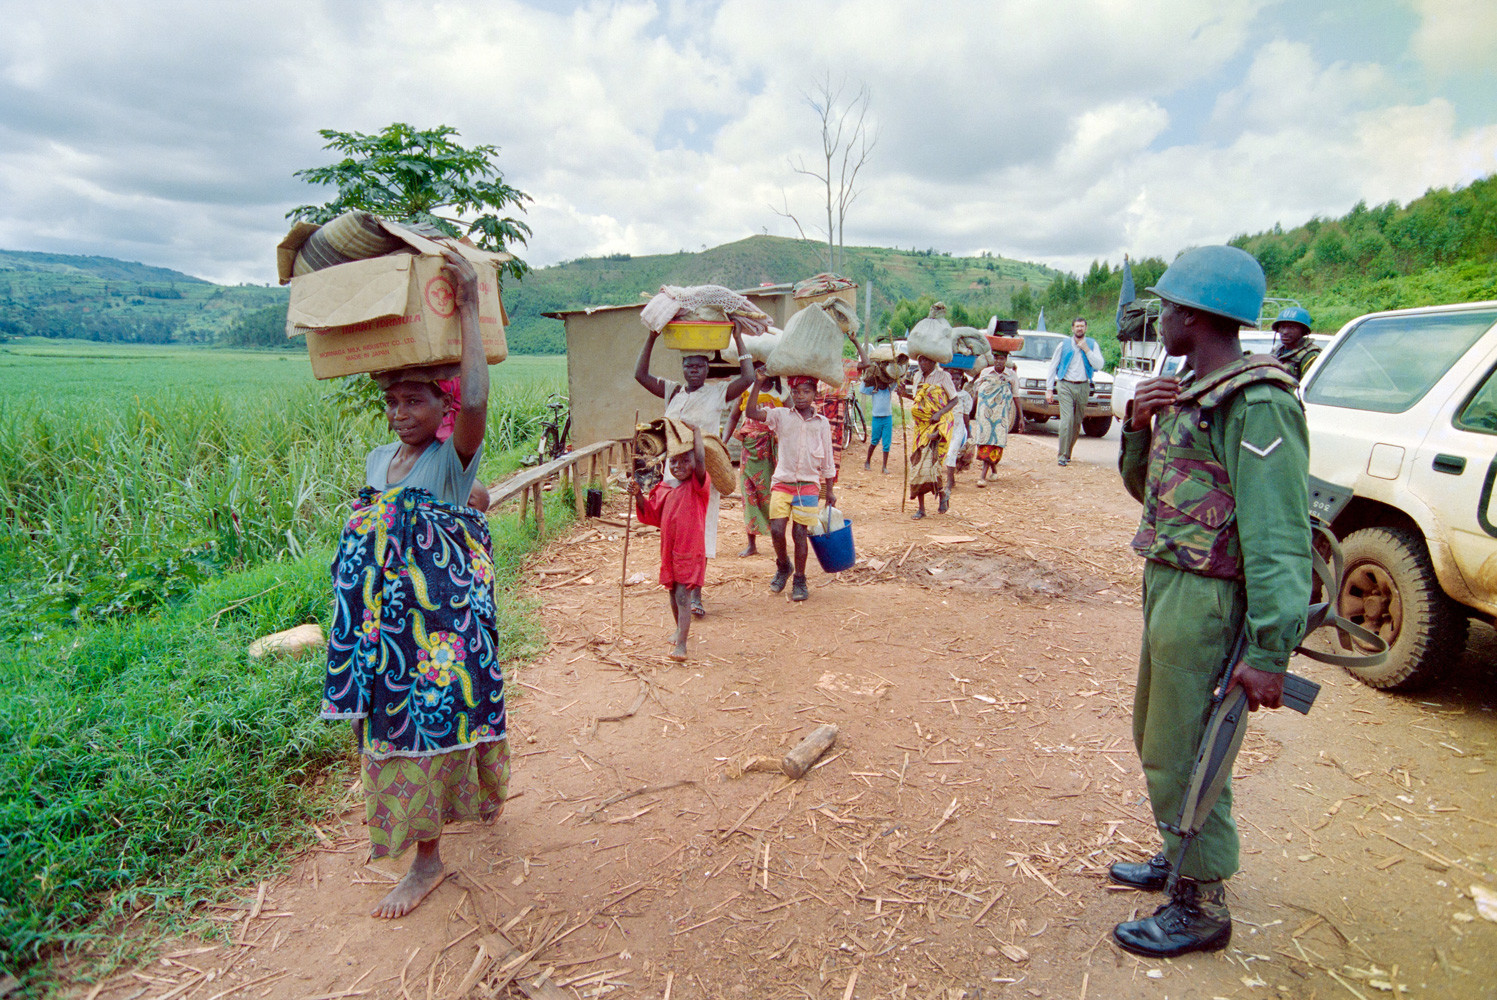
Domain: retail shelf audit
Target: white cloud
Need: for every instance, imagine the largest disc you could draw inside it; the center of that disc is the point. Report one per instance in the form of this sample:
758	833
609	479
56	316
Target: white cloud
168	132
1456	36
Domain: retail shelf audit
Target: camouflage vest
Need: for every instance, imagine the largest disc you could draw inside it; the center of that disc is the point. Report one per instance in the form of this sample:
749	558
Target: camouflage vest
1298	360
1190	516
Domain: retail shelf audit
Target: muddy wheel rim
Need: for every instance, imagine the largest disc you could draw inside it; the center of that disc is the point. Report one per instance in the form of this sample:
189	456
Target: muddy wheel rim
1370	598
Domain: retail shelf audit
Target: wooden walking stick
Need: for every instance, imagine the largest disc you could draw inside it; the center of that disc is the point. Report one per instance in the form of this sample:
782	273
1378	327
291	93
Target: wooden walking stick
628	525
904	430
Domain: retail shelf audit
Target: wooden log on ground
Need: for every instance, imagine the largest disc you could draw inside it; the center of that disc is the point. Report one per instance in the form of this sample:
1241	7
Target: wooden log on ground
799	760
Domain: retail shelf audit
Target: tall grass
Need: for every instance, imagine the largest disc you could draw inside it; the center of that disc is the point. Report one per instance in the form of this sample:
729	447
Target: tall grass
115	505
147	766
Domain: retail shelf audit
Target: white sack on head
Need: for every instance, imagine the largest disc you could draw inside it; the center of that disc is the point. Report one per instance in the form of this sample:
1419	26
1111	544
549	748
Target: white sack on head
762	346
932	337
845	315
810	345
758	346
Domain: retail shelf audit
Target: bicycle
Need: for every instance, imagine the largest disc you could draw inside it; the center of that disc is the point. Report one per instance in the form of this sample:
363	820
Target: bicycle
855	423
555	432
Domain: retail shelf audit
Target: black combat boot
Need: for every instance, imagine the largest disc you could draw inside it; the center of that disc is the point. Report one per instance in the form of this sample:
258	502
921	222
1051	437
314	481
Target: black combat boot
1148	876
781	576
1195	919
798	590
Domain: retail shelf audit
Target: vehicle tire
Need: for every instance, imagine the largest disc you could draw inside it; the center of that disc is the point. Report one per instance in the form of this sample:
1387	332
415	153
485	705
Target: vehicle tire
1095	427
1036	418
1388	585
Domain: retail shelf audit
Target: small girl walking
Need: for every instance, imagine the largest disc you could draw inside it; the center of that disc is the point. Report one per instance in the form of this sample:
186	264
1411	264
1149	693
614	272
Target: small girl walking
757	463
680	512
411	654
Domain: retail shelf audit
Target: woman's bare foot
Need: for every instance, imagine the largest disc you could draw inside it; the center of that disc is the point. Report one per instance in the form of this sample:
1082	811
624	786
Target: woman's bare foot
751	549
425	875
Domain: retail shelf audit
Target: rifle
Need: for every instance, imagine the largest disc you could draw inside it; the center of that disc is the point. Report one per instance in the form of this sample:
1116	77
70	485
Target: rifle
1226	715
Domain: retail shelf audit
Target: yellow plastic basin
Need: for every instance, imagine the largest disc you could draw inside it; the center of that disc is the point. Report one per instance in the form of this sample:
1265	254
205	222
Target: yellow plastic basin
696	336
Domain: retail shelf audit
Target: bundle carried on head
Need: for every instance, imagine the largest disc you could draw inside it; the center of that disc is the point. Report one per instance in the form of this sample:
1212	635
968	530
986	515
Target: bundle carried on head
932	337
810	345
845	315
706	303
968	340
883	374
822	284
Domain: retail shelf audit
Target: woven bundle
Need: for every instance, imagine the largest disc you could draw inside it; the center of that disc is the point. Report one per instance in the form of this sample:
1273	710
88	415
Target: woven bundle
354	235
883	374
664	437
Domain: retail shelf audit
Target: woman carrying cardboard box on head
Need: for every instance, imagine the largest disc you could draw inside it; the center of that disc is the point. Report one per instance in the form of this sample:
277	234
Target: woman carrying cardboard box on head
411	654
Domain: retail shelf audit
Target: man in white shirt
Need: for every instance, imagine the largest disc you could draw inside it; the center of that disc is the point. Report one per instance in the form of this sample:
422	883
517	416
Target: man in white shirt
1072	366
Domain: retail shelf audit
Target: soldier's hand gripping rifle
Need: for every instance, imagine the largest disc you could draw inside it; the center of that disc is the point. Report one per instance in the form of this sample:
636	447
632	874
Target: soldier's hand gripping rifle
1226	717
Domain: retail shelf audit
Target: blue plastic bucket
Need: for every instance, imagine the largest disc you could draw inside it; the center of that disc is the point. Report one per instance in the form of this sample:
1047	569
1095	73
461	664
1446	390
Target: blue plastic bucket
962	362
834	550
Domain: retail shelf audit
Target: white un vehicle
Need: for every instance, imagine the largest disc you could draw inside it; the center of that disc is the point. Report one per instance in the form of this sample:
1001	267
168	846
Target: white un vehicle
1402	409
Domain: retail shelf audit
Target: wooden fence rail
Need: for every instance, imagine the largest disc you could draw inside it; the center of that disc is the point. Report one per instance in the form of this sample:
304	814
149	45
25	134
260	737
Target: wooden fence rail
528	485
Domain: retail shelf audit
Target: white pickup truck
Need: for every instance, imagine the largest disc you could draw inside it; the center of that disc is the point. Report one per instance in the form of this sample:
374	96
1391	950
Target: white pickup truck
1402	409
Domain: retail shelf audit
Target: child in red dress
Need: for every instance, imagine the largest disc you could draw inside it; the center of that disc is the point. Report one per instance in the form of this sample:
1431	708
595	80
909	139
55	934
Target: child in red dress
681	514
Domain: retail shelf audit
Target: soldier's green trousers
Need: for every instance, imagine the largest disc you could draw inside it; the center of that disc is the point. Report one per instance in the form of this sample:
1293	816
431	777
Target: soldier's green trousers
1190	623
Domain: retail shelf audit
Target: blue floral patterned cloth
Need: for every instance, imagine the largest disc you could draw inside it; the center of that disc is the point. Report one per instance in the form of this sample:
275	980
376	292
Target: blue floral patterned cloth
412	646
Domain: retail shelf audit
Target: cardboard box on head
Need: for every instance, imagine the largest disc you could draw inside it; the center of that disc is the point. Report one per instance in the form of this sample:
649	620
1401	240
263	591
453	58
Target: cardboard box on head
389	312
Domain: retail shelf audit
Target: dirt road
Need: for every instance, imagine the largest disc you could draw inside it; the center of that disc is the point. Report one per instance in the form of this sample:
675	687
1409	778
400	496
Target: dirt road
952	844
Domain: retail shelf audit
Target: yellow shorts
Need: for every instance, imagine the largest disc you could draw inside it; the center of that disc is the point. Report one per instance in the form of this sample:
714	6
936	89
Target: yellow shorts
800	509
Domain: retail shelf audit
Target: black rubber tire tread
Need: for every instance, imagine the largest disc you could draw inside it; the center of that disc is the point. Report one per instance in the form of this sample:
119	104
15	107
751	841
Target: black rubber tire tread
1432	634
1095	427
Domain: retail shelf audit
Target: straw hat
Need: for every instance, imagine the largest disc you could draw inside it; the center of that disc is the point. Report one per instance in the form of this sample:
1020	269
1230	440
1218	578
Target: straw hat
719	465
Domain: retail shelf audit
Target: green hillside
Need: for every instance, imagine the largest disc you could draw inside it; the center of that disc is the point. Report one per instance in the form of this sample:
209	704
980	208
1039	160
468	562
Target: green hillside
1441	247
99	298
96	298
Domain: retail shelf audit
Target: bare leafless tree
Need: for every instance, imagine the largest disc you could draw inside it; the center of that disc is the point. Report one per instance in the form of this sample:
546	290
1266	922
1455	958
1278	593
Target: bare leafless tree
846	144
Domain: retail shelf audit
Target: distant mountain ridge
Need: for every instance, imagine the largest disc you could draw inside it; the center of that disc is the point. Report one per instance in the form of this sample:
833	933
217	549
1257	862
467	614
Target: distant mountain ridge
107	268
100	298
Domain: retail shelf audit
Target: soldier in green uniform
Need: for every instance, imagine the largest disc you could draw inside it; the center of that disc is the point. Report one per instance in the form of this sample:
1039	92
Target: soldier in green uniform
1296	350
1219	459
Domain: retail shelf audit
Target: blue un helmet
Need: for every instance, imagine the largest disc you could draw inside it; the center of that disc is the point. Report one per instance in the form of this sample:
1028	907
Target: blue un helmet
1221	280
1294	314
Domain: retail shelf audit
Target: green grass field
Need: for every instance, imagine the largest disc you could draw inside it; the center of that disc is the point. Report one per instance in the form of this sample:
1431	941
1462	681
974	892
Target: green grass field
162	508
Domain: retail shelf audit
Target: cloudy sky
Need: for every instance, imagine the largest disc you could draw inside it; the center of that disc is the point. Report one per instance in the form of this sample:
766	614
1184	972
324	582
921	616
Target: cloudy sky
1059	131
